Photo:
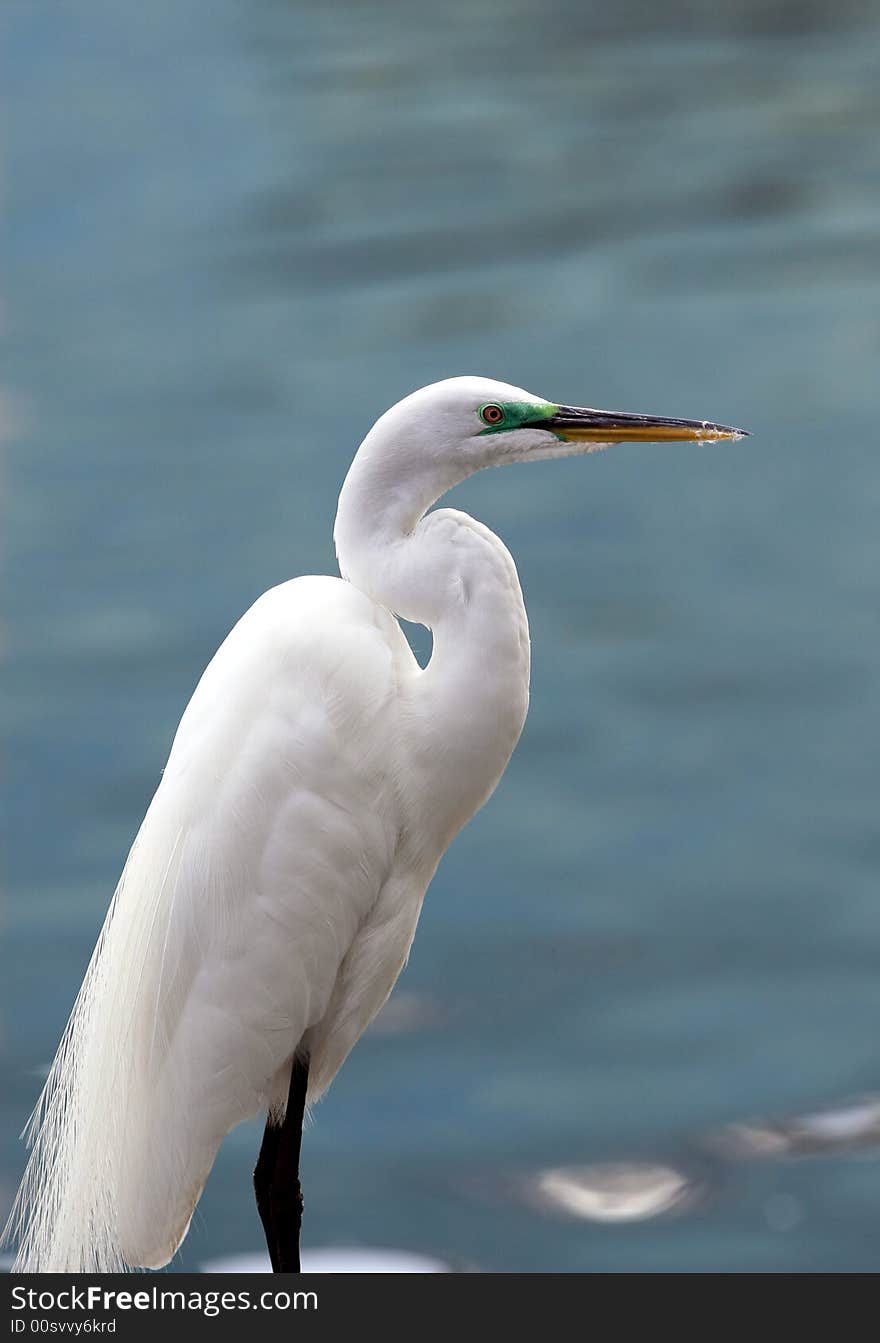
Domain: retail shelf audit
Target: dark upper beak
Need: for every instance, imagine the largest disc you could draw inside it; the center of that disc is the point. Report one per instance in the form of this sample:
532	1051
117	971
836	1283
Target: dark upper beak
582	424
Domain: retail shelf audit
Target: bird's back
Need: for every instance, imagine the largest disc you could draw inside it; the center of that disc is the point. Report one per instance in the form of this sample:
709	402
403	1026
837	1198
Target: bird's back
266	846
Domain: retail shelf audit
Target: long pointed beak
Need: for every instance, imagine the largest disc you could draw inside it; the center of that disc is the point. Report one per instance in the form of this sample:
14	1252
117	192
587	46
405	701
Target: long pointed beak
581	424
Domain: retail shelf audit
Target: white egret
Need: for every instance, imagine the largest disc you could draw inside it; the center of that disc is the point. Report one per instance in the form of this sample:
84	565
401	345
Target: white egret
270	898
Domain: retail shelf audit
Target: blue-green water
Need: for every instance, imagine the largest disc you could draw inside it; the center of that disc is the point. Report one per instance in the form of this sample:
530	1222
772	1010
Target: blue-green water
234	232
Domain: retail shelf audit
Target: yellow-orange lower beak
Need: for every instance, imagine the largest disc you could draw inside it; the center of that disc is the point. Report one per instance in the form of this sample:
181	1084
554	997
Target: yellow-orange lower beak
581	424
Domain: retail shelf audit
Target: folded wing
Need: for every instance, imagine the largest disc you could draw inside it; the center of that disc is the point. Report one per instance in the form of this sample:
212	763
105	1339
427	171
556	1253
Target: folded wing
262	853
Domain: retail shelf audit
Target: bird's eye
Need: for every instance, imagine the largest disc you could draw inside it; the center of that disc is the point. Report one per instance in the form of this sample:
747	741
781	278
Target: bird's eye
491	414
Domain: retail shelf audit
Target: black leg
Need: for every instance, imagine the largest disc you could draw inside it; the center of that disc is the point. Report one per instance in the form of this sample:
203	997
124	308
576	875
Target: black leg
263	1172
276	1175
285	1196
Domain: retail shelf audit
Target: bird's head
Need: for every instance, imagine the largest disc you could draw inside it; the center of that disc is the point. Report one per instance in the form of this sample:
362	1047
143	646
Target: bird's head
439	435
464	424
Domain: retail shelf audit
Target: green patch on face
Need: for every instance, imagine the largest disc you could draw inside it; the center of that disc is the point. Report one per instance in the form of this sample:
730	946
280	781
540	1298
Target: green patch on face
514	415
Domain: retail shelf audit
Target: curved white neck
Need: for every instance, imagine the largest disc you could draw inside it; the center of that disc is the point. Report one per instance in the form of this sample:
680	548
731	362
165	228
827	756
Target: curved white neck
446	571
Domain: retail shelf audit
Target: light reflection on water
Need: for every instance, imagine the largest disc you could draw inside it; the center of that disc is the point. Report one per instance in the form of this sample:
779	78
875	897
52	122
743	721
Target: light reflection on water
613	1191
355	1259
850	1127
237	233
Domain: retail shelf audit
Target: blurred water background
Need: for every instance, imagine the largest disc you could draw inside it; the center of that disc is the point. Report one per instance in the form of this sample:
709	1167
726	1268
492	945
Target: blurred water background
234	233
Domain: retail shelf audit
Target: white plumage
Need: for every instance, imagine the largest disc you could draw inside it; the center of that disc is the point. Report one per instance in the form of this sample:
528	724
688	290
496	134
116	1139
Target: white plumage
272	893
